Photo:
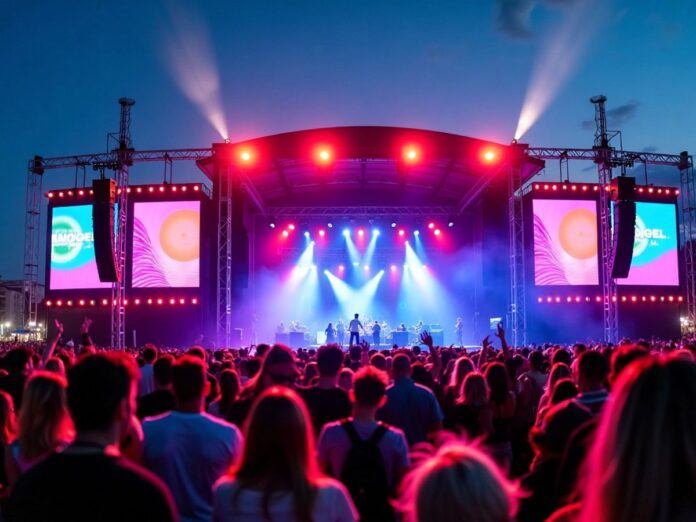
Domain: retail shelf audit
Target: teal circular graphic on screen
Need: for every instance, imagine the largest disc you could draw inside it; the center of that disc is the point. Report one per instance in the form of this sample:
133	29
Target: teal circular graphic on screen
655	234
71	246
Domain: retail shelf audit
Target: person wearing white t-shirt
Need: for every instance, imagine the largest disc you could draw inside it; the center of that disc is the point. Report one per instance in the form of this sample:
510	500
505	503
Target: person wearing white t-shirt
188	448
277	477
354	327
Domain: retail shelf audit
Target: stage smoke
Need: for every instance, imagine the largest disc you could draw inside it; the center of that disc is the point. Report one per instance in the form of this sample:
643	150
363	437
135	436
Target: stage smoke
191	61
558	59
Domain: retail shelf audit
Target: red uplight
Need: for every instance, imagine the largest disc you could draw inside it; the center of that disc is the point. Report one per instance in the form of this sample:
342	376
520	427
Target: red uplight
194	301
105	302
246	156
323	155
411	154
50	194
136	301
182	301
174	188
161	189
160	301
81	302
48	303
285	233
402	232
322	233
291	226
437	232
361	232
139	190
431	225
149	301
59	303
196	188
151	189
60	194
489	155
81	192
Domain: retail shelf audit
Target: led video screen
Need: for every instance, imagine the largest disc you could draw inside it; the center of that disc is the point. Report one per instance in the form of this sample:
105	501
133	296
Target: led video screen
655	250
565	242
166	244
72	264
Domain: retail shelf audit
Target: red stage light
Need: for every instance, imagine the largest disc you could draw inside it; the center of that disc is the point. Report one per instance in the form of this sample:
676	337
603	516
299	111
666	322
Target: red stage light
69	303
539	299
125	302
150	189
393	268
50	194
554	187
411	154
92	302
128	190
431	225
341	268
161	189
48	303
322	233
174	188
196	188
60	194
105	302
194	301
160	301
171	301
651	190
402	232
59	303
584	187
149	301
285	233
82	302
489	156
81	192
136	301
139	190
574	187
361	232
182	301
437	232
184	188
291	227
676	192
323	155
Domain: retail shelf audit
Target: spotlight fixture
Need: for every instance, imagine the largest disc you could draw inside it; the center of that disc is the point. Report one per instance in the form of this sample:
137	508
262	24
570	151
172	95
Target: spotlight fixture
393	224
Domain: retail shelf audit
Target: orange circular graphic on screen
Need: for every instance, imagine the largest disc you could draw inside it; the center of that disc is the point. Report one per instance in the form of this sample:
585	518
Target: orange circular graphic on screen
577	233
180	235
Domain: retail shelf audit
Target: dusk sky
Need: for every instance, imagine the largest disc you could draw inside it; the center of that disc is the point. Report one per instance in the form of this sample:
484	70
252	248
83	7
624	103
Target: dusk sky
456	66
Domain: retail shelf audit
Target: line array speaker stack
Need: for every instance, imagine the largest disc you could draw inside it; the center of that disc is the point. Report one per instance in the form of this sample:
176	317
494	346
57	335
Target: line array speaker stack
103	223
623	194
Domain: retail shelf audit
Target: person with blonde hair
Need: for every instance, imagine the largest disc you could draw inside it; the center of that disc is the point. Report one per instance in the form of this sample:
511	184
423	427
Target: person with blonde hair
458	483
277	477
642	465
472	412
44	423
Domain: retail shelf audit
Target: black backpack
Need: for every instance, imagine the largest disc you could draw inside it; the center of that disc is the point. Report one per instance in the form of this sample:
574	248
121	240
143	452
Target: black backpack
365	475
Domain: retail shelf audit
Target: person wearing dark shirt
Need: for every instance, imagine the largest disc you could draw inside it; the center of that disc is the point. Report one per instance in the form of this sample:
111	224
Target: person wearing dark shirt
89	480
376	334
325	401
16	363
162	399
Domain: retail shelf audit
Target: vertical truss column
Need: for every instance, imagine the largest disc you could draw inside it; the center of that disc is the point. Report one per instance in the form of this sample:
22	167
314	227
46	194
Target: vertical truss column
118	289
224	244
517	309
688	228
31	241
610	312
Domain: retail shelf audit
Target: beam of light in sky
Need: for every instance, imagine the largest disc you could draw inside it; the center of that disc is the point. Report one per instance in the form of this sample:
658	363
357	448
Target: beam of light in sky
352	300
189	54
303	266
558	59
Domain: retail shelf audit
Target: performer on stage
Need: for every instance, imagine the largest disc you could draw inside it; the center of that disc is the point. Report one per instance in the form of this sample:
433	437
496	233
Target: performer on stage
376	334
341	332
459	331
330	334
355	326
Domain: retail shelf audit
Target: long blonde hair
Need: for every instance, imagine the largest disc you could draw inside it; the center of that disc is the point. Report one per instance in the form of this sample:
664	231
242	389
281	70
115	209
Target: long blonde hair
459	483
44	421
642	466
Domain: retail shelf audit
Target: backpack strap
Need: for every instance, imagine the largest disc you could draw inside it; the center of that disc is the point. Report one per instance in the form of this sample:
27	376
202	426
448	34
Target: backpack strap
355	439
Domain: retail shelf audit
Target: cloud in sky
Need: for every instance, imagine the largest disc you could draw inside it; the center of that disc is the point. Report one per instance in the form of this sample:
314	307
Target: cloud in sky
514	16
616	116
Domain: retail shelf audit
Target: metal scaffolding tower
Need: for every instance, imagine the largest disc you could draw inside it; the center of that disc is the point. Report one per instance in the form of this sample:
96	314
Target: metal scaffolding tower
517	308
225	239
32	235
688	228
118	289
610	306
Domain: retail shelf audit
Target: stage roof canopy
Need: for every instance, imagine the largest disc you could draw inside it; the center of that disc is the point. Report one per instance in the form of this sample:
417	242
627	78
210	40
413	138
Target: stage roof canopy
366	166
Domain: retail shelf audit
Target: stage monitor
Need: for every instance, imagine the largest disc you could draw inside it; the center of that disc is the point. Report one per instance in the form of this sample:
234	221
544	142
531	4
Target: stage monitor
655	248
166	244
565	242
71	245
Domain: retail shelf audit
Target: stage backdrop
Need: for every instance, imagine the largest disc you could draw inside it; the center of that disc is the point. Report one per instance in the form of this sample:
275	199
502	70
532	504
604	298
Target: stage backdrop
655	250
72	263
166	244
565	242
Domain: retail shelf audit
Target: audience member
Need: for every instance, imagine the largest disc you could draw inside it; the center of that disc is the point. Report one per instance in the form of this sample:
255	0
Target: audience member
89	480
161	400
188	448
277	477
229	392
369	457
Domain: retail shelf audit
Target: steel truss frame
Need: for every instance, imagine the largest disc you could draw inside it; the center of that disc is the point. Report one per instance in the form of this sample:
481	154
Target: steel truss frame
517	311
116	159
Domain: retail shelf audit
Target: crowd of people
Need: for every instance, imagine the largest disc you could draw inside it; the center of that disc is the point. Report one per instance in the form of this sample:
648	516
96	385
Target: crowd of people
596	433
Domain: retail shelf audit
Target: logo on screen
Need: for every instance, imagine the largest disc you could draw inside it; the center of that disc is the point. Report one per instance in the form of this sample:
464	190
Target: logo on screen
67	239
646	237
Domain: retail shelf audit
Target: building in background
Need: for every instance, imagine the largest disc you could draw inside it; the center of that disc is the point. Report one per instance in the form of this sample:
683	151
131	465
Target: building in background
13	308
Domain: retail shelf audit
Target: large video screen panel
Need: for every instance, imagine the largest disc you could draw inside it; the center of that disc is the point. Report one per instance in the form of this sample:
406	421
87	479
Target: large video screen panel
166	244
655	250
72	264
565	242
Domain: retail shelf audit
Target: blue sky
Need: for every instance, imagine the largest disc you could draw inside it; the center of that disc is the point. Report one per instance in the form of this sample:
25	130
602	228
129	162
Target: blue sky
457	66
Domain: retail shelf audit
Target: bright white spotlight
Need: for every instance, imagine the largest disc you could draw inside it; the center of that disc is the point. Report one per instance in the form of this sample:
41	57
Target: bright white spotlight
393	225
306	234
375	232
416	232
405	267
366	268
355	263
346	232
393	268
330	225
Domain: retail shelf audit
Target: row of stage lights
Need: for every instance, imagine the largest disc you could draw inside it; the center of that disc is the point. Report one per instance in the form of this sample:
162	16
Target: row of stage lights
360	232
126	302
623	299
367	268
325	155
589	187
146	189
